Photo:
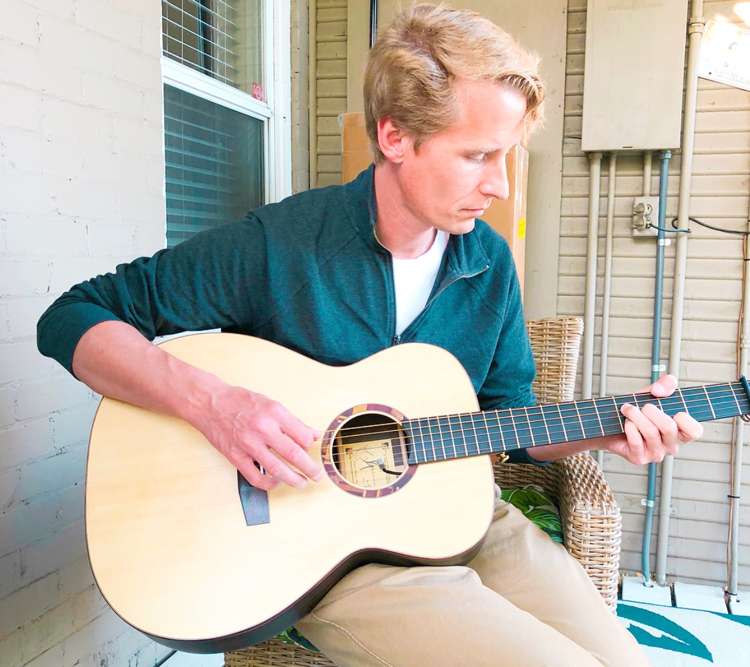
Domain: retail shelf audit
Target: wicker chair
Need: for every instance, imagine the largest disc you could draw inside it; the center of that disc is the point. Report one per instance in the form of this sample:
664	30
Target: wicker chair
590	516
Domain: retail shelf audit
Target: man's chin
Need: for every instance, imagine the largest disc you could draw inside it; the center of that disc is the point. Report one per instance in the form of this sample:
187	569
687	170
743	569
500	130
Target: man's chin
464	226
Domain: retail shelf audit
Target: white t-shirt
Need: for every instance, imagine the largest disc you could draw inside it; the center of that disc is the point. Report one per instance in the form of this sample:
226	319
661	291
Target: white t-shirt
413	280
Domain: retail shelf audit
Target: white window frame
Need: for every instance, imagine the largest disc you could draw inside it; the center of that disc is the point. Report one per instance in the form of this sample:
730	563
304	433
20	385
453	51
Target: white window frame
275	111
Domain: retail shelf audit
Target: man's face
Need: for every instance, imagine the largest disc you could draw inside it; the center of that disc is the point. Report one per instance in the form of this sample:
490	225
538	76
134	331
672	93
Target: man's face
454	175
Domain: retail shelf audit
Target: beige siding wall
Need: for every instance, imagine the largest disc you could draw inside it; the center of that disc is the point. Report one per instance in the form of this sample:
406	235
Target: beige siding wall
720	184
330	89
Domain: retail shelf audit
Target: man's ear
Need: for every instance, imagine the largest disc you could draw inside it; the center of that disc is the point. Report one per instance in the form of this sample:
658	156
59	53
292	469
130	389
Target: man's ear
393	141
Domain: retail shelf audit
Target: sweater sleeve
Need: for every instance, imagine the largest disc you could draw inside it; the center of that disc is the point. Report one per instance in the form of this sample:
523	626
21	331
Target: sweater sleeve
508	383
207	282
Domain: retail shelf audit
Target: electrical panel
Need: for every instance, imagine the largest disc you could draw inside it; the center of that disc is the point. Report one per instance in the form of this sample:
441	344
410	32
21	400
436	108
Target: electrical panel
634	71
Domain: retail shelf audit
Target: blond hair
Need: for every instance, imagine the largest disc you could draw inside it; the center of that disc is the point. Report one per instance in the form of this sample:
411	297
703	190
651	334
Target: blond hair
412	66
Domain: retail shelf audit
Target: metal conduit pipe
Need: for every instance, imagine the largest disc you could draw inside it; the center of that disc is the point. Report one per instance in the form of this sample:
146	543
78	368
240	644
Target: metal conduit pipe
589	308
695	33
612	177
739	433
656	366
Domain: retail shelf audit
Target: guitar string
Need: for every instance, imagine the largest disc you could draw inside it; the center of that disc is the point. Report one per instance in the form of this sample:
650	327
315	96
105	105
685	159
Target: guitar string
574	408
609	421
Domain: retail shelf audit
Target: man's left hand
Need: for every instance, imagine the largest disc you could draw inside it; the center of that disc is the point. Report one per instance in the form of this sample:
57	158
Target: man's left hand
651	434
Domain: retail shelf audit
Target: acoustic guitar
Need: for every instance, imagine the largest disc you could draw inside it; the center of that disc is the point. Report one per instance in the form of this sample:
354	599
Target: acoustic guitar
186	551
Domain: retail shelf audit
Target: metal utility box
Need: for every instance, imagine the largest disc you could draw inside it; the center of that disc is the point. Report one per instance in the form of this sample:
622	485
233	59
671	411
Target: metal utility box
635	59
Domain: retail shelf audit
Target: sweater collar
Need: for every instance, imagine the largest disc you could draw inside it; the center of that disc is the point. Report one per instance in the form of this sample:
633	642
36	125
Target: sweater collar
466	255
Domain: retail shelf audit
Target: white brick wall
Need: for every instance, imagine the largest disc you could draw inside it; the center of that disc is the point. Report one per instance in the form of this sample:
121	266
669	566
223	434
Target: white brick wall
81	189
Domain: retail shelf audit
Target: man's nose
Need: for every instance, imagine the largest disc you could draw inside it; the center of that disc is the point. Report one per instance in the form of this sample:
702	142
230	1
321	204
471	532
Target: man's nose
495	181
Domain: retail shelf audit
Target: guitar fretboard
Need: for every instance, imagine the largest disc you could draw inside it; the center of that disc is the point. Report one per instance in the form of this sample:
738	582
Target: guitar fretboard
496	431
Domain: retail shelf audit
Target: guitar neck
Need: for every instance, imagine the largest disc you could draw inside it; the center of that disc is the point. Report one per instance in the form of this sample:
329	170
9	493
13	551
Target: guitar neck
497	431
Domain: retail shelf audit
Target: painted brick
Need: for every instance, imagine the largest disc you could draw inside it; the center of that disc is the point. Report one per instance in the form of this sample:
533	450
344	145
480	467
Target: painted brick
23	313
11	649
8	397
101	91
72	427
135	67
65	121
63	9
24	28
25	110
21	192
84	50
53	657
76	577
9	480
21	64
59	392
109	21
28	523
24	442
72	271
63	235
52	552
27	603
10	573
111	240
62	157
20	149
60	471
21	361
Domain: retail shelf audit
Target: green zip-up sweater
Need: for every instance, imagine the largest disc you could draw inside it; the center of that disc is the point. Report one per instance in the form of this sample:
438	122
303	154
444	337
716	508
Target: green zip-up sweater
309	274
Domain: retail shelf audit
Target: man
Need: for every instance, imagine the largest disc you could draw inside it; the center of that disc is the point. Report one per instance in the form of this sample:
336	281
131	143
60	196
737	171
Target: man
340	273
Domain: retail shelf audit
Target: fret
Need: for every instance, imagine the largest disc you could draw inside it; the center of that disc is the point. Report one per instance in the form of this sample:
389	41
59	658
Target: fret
562	422
446	454
531	430
553	423
678	391
589	419
619	415
598	417
724	401
424	440
580	421
500	430
432	440
537	424
463	435
418	442
514	431
708	399
479	431
468	427
451	437
450	446
546	427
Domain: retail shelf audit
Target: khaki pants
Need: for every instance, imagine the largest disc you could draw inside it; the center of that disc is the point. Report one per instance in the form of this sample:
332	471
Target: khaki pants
523	601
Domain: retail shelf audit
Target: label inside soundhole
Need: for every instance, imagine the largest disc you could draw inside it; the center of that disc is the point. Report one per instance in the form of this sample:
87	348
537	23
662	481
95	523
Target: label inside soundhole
369	451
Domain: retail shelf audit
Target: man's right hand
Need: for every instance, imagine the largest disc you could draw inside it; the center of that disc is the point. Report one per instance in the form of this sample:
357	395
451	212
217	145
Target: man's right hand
249	428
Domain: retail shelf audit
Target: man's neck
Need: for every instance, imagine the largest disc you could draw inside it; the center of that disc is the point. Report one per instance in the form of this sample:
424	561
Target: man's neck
396	228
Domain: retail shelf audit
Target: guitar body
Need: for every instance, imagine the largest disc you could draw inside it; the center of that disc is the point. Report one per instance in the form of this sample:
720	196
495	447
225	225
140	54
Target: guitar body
183	556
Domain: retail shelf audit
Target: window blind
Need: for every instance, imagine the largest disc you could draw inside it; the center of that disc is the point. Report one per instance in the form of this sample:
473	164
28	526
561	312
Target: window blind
214	164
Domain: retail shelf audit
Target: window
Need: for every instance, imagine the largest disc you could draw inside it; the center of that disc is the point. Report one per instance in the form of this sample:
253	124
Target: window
225	69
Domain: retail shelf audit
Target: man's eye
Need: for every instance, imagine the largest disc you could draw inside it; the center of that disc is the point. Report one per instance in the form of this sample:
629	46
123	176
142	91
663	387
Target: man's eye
478	157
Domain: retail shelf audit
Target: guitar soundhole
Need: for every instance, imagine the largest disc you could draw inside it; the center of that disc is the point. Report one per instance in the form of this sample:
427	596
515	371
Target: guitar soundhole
369	453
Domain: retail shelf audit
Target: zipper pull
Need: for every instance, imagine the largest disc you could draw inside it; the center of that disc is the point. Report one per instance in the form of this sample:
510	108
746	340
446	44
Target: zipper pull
396	340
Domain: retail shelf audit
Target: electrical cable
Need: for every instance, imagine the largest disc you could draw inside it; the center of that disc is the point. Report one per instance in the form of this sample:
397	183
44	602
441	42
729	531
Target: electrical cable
705	224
